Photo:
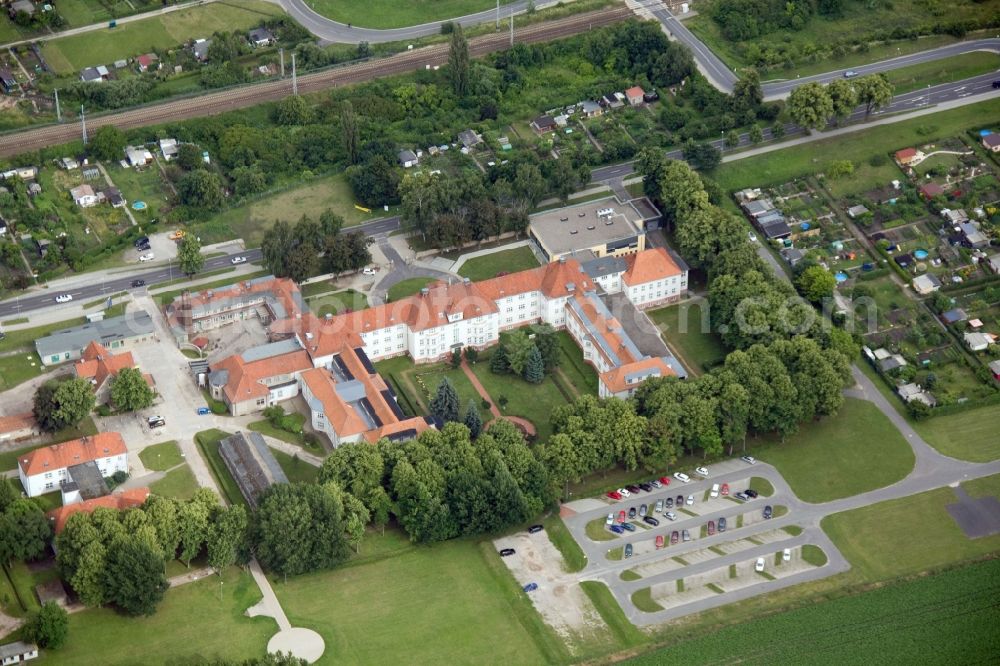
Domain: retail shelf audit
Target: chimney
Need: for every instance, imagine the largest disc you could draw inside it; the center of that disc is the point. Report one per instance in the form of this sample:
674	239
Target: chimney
562	260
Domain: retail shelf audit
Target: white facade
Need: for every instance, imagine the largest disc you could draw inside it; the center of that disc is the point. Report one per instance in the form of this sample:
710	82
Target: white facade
49	480
648	294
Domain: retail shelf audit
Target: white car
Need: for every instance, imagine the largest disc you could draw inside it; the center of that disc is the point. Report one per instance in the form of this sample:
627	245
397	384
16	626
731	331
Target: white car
715	491
64	298
610	519
753	237
624	493
369	271
786	554
149	256
238	260
656	483
701	471
670	515
759	567
750	460
682	477
690	500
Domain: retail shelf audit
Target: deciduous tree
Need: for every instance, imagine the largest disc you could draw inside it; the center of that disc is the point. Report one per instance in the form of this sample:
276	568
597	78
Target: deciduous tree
134	579
48	627
189	255
129	390
810	106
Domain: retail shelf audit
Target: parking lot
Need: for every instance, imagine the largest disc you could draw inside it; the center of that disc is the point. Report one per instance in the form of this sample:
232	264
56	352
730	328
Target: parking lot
712	567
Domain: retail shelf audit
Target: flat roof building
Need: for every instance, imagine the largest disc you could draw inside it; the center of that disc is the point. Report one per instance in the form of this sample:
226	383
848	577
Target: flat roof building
115	334
604	227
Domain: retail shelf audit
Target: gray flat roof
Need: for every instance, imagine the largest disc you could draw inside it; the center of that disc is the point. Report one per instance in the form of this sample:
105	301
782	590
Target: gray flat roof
271	349
104	332
596	268
88	480
577	227
251	463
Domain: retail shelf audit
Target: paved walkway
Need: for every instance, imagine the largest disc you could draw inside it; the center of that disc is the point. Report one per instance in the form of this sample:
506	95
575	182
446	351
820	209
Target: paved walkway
527	426
269	604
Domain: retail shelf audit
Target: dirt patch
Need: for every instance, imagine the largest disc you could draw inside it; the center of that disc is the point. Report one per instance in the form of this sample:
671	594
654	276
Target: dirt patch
559	598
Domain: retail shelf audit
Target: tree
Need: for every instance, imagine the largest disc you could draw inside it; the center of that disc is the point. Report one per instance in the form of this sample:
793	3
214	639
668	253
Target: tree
134	577
844	97
129	390
444	406
192	529
816	283
517	348
248	180
874	91
732	139
62	404
200	189
778	130
48	627
108	143
189	255
275	247
459	64
299	528
559	456
702	156
747	93
810	106
349	134
499	363
473	421
189	156
534	366
226	536
756	134
25	531
293	110
564	179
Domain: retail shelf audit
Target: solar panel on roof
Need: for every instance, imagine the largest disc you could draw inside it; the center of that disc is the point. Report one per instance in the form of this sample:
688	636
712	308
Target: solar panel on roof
391	401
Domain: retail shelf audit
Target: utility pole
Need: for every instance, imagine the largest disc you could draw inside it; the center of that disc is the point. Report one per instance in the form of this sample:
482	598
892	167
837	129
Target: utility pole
58	112
295	80
512	28
83	124
281	52
498	15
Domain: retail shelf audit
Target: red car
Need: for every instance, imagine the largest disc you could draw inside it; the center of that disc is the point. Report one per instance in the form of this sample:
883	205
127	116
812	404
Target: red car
673	537
725	489
665	480
615	495
659	541
621	516
711	527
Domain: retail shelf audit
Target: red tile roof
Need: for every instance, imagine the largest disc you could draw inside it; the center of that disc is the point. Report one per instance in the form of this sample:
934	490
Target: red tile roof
415	423
120	501
16	422
634	91
246	379
98	364
341	416
74	452
615	379
649	266
906	154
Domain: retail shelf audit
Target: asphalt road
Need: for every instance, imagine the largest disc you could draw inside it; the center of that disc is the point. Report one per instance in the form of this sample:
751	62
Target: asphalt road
162	273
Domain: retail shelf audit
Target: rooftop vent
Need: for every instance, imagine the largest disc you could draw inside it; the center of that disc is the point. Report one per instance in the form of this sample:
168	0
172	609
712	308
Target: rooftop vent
563	219
562	260
575	231
424	291
328	316
591	228
605	212
609	222
584	214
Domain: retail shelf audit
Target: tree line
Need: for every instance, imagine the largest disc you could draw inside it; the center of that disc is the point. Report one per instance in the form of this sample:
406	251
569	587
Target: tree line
313	246
814	105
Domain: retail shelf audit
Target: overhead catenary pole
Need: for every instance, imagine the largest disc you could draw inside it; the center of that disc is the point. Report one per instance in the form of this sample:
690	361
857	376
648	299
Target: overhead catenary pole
281	52
295	80
512	28
498	14
83	124
58	111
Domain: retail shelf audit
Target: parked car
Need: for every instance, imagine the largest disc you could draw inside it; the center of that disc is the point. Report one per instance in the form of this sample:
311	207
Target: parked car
649	520
138	283
149	256
682	477
711	527
238	260
656	483
686	535
786	554
64	298
629	527
722	525
535	529
753	237
204	411
646	487
741	497
670	515
665	480
659	506
628	550
634	489
623	492
690	500
156	422
750	460
768	512
701	471
141	240
610	519
507	552
725	489
673	537
642	510
714	492
369	271
631	512
751	493
659	541
621	516
615	495
617	529
668	503
531	587
759	567
679	502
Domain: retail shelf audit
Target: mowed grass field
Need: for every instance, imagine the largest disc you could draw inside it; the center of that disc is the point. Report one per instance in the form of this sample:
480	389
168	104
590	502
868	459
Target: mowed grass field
71	54
681	327
932	73
450	603
970	435
191	625
393	14
161	457
506	261
853	452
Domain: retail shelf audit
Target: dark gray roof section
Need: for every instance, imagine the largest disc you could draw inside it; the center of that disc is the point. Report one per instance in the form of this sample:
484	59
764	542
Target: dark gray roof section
218	377
88	480
106	331
251	463
271	350
602	266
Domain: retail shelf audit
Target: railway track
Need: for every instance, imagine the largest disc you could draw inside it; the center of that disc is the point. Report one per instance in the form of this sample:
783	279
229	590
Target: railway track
238	98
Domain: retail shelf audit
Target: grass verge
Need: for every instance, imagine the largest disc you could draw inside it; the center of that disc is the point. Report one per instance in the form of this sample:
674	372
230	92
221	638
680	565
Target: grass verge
643	599
161	457
573	558
624	632
208	444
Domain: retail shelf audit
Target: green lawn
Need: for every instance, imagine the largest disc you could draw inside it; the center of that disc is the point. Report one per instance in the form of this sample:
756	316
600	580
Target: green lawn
146	185
581	375
161	457
488	266
907	535
208	443
564	542
390	14
178	482
73	53
338	302
683	330
625	633
250	221
968	435
18	360
534	402
446	603
945	70
296	469
190	625
298	439
408	288
853	452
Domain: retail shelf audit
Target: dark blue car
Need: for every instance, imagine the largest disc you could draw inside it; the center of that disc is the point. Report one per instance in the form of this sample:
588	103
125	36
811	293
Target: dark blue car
531	587
617	529
202	411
